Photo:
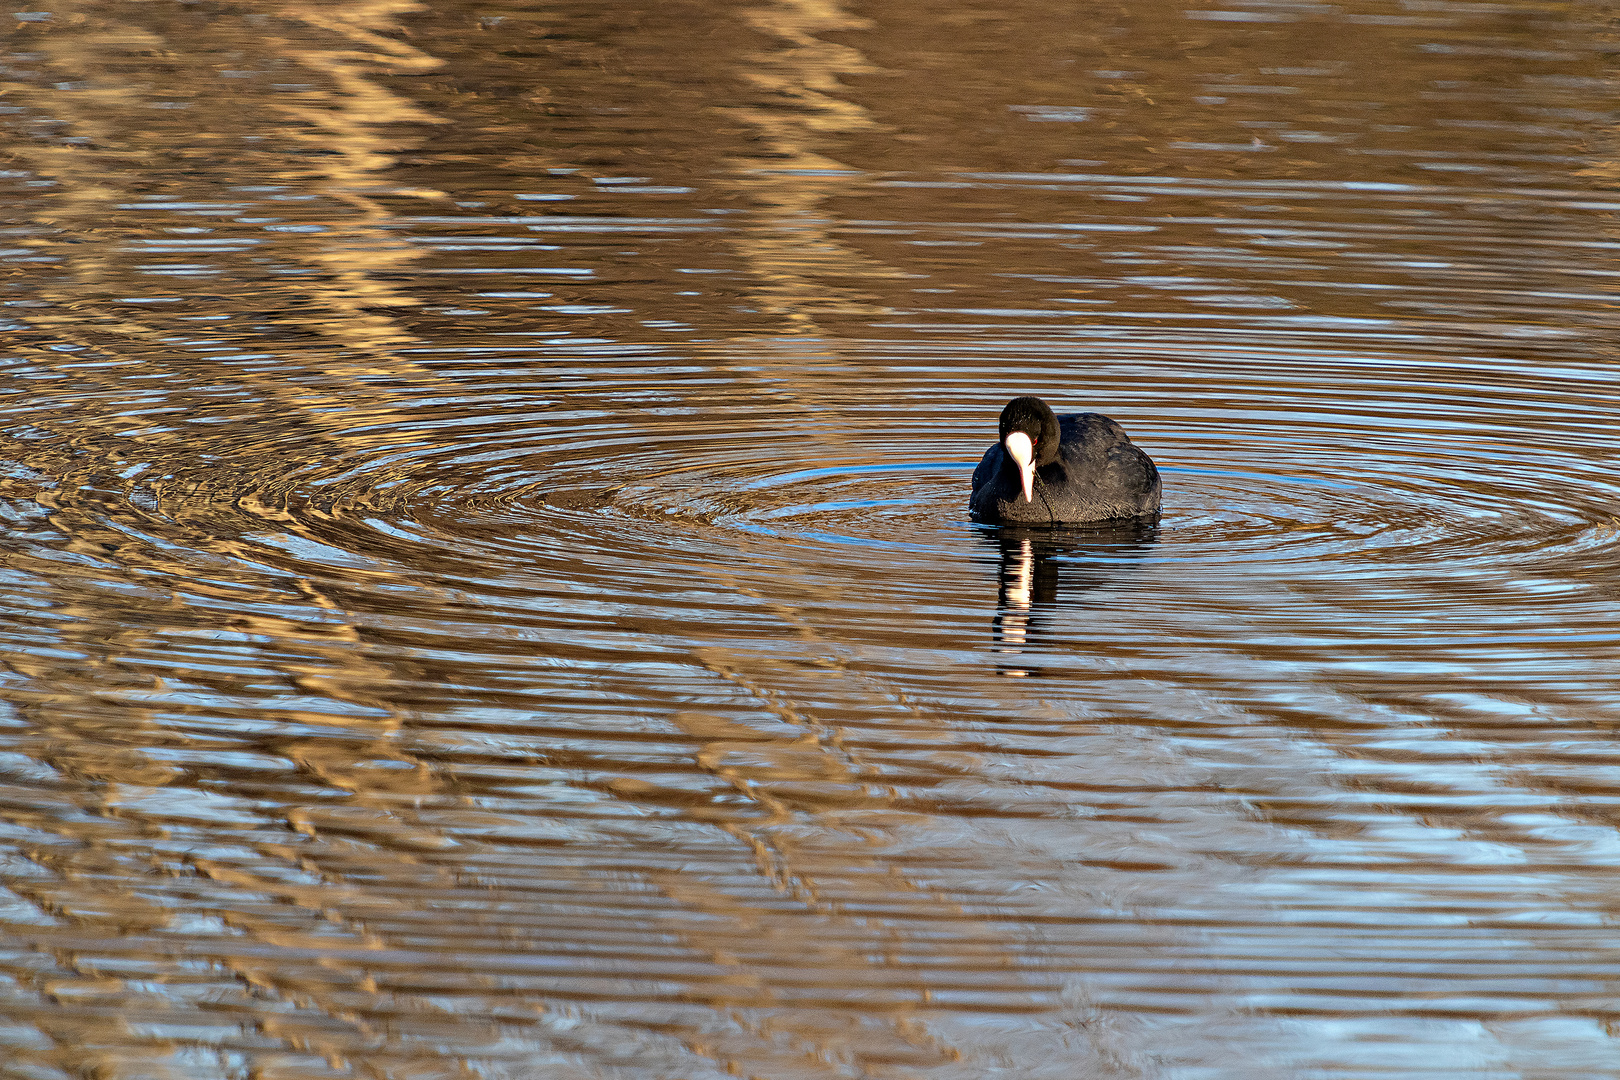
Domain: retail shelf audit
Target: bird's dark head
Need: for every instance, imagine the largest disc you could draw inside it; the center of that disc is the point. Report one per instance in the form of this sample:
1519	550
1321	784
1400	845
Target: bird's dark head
1032	417
1031	435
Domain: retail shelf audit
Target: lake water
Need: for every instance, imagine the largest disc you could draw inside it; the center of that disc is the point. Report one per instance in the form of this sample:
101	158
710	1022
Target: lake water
486	588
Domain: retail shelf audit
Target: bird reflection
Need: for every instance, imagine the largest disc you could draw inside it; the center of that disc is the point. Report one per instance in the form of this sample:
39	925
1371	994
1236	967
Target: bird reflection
1043	568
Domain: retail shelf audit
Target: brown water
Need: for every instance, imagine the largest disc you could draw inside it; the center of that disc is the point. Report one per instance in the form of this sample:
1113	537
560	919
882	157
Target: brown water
487	586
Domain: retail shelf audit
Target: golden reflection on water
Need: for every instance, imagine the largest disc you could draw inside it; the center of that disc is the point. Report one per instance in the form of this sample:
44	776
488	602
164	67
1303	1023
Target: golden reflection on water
787	181
485	585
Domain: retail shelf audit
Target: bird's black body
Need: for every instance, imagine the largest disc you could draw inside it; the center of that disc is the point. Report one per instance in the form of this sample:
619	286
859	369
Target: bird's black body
1086	469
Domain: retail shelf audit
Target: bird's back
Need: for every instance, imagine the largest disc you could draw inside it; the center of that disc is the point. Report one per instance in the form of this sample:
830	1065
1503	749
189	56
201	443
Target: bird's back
1103	474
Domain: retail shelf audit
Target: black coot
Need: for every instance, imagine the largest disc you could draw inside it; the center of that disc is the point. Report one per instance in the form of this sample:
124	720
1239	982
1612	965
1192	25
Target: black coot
1061	470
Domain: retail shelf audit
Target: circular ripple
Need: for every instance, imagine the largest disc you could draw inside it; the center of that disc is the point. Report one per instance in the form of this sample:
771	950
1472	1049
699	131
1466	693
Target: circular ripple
903	506
1360	470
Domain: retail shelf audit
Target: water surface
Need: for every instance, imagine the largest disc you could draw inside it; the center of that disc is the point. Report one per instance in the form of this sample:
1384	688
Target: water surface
488	592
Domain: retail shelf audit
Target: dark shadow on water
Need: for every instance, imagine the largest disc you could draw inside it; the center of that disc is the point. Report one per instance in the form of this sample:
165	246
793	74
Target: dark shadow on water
1042	570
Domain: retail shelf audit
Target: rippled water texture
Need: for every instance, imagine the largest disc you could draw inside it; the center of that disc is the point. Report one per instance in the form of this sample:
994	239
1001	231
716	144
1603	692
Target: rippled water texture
487	589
